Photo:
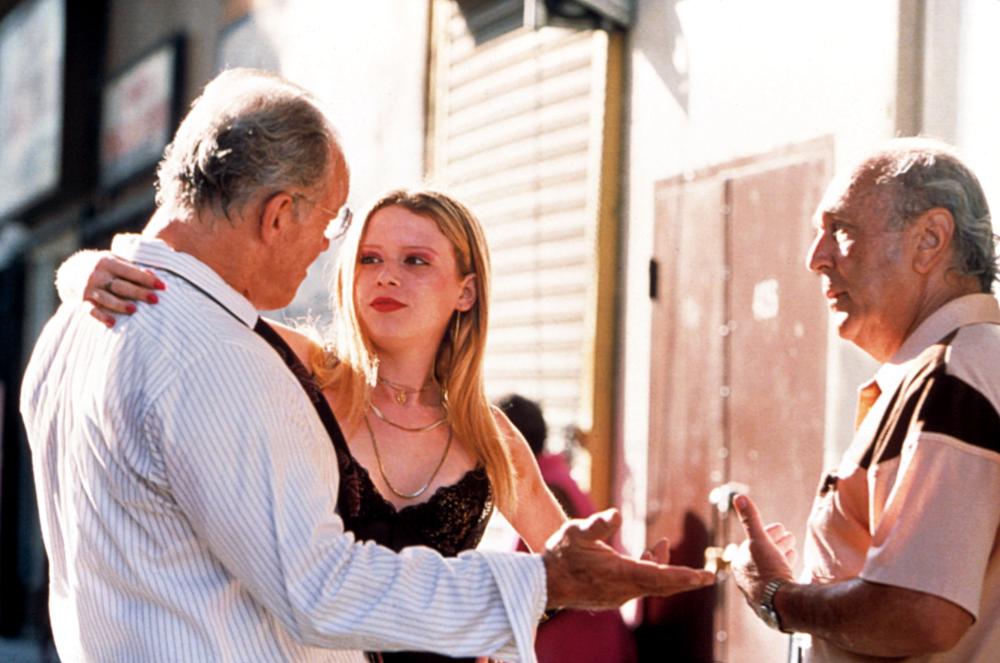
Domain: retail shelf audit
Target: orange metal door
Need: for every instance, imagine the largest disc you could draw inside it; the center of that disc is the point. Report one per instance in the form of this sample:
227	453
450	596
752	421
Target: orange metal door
778	366
686	442
737	381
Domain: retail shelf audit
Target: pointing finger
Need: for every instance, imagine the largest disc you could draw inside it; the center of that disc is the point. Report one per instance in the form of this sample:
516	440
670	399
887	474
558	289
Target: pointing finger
750	517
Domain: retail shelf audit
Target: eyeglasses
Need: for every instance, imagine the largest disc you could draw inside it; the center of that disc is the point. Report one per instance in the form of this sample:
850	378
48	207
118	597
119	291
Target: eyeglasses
339	222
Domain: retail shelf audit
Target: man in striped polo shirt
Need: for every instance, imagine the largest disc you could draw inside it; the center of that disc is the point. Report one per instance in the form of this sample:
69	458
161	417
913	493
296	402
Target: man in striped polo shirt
902	554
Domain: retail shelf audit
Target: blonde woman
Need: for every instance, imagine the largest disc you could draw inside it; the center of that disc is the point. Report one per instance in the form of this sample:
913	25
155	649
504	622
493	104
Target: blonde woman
422	453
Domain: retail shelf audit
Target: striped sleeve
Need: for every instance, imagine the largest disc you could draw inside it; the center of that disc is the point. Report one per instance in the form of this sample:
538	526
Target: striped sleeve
517	587
253	471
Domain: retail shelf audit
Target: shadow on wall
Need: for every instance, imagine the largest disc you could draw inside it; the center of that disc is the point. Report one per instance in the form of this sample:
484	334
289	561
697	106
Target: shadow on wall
681	625
670	57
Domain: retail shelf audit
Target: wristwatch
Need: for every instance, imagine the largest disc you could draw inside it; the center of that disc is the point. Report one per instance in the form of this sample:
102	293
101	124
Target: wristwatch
766	609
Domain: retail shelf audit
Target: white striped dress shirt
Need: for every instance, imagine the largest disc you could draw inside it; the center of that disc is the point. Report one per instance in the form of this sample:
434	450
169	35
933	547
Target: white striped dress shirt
186	490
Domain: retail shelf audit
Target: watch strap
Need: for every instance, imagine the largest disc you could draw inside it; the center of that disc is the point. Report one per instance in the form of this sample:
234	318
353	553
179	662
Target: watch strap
767	602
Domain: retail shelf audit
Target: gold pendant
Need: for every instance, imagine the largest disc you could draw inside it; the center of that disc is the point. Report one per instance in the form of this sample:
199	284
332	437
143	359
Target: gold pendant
401	397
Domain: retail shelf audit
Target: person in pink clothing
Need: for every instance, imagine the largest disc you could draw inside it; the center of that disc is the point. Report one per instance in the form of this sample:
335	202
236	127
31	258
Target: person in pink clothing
569	635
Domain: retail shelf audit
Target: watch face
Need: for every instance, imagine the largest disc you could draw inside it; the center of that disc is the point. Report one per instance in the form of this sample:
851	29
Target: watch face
768	616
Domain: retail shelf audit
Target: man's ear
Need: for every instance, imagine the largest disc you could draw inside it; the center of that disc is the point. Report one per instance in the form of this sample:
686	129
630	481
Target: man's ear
934	230
276	213
467	298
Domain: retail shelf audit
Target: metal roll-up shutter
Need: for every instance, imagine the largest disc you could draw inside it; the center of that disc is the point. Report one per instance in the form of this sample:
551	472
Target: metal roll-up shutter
517	124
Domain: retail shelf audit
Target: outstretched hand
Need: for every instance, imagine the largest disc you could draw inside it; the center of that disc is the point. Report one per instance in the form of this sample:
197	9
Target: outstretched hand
583	571
766	554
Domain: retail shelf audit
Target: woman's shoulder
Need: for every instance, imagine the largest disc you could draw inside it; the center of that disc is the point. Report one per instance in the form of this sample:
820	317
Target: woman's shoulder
302	342
507	429
520	452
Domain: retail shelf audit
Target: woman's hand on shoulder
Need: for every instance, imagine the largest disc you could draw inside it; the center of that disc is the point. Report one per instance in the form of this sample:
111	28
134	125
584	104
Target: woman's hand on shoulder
111	284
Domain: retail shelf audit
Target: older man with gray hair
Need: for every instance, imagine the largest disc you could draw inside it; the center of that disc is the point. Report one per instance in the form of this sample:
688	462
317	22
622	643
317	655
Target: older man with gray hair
186	485
902	554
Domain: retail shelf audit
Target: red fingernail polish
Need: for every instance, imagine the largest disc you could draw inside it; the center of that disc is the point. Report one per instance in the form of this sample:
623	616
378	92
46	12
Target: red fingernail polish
152	298
130	308
110	323
160	285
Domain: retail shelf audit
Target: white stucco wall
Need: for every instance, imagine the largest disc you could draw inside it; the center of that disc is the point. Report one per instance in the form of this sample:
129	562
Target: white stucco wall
367	62
961	97
713	81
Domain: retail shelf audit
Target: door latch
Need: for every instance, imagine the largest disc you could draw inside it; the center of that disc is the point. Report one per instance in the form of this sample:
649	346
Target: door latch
719	558
721	497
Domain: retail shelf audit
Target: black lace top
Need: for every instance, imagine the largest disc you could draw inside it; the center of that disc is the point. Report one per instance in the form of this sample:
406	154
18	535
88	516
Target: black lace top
452	520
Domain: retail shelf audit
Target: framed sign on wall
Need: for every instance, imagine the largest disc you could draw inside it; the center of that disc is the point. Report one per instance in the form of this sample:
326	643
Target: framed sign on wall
32	52
139	109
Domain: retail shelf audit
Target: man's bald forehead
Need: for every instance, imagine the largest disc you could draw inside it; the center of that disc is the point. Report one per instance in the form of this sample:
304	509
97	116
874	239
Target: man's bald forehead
852	187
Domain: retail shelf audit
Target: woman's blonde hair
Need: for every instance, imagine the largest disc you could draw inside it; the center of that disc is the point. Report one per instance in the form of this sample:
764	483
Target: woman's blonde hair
349	365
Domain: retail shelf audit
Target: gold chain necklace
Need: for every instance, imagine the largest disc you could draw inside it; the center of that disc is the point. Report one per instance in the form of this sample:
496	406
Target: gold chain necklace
415	429
402	392
381	468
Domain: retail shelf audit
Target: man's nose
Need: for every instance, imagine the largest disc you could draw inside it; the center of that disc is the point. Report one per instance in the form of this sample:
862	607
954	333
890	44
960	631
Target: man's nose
819	256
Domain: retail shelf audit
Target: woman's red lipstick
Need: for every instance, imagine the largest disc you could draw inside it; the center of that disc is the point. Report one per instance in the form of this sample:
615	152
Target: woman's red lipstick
386	304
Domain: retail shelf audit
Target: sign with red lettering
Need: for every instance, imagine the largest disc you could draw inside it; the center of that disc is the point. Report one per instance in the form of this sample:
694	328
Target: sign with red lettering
138	114
32	48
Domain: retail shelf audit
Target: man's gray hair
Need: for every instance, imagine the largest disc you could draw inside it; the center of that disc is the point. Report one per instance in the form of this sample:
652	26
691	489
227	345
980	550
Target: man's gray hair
923	174
250	132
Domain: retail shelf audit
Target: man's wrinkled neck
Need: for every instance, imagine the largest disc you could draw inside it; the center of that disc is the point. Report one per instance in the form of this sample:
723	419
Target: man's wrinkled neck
218	243
941	288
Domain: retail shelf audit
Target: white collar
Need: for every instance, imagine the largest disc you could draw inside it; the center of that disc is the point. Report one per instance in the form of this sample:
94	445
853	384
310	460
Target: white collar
959	312
157	254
